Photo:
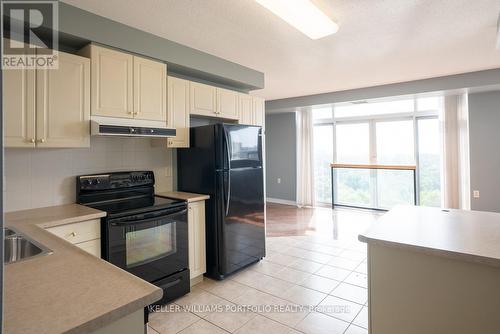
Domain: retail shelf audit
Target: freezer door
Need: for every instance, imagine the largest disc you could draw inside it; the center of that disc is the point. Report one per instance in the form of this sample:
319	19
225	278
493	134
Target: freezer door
243	225
243	146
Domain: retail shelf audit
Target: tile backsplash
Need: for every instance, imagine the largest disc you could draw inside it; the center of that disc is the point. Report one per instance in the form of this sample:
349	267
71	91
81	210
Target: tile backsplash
43	177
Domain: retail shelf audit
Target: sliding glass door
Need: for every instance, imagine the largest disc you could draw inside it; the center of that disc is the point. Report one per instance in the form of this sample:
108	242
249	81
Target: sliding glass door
394	146
429	161
380	142
352	144
323	157
404	135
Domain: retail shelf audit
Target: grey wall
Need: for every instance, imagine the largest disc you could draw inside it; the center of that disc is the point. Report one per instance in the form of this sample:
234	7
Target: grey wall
78	27
281	143
460	83
484	139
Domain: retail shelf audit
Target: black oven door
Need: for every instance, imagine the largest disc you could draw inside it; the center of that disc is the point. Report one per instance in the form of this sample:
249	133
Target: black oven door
150	245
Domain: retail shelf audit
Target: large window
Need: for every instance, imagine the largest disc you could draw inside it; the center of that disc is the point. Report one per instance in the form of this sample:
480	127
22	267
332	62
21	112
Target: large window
395	142
323	157
399	132
429	160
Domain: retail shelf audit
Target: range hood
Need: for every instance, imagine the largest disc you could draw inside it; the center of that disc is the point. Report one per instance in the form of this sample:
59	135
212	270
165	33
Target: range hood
110	126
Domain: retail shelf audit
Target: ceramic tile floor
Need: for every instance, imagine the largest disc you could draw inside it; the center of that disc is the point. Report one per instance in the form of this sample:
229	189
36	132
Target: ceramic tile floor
325	276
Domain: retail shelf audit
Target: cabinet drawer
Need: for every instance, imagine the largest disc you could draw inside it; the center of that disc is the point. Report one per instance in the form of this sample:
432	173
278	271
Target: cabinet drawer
92	247
78	232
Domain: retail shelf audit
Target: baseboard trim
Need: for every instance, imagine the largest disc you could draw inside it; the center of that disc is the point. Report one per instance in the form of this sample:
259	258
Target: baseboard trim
280	201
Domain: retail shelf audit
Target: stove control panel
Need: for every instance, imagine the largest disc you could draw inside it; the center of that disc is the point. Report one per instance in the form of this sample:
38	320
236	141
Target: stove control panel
115	180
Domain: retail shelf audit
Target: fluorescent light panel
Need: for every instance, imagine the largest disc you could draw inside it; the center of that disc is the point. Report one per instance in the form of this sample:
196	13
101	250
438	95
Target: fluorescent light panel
303	15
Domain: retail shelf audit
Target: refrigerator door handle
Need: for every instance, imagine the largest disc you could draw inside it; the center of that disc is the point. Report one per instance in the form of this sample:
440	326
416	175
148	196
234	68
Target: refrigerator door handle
228	152
228	192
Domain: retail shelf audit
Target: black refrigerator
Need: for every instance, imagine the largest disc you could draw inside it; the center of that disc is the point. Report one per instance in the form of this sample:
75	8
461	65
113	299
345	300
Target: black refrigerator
225	162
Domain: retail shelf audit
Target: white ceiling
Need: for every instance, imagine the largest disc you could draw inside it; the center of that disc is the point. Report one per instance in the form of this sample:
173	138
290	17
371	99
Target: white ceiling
379	41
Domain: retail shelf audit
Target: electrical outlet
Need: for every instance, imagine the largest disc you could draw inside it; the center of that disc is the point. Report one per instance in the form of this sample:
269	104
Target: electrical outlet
279	180
475	194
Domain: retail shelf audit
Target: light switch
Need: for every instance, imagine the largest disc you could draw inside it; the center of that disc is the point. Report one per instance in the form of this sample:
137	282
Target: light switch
278	180
475	194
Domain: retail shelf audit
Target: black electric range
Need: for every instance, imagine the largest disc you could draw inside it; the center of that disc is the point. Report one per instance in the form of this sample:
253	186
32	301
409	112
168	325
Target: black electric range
144	234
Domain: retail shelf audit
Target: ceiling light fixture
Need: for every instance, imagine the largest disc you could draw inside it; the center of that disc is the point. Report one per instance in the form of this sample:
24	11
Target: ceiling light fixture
303	15
498	32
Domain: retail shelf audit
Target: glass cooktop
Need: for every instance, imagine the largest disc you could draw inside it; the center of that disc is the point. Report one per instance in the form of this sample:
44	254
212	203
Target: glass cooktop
136	205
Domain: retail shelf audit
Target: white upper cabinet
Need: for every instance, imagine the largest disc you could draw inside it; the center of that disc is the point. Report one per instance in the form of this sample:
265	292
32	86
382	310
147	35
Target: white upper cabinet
150	90
63	103
252	110
178	111
246	109
48	108
19	108
227	104
258	111
203	99
127	86
112	82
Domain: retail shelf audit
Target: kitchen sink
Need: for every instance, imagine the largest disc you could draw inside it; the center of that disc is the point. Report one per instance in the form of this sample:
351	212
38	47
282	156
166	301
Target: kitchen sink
8	232
18	247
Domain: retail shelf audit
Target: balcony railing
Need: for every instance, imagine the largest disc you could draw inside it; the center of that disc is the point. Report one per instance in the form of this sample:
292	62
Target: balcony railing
410	168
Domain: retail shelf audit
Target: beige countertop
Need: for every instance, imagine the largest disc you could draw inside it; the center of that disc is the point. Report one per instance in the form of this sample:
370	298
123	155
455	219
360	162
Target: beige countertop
188	197
68	290
464	235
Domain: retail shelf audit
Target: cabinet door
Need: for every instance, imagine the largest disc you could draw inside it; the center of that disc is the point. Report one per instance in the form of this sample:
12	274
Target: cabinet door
150	90
178	111
202	99
63	103
19	108
92	247
227	104
258	111
112	83
246	109
196	225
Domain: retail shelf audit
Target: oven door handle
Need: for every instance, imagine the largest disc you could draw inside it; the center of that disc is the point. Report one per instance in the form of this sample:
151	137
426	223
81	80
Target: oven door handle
131	221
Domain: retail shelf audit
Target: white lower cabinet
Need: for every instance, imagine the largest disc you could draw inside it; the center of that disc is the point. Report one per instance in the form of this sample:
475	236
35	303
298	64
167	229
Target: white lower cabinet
196	232
92	247
86	235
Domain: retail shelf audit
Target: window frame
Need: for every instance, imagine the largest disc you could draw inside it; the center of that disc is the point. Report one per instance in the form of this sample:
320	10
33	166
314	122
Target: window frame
318	203
417	154
372	120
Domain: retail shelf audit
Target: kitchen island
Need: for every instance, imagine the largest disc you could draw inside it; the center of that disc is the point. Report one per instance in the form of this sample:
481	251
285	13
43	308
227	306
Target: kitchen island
434	271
